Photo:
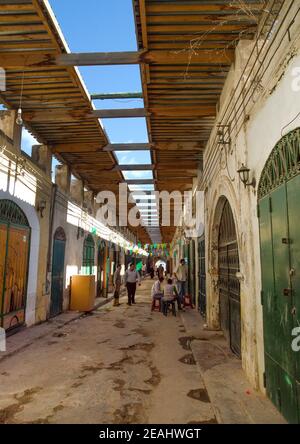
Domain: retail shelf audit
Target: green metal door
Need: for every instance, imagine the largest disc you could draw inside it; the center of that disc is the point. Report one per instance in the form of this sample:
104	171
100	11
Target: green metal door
202	277
100	268
279	216
108	265
293	192
88	255
58	267
191	269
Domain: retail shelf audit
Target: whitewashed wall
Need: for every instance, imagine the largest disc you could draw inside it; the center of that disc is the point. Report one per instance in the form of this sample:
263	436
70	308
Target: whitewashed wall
274	105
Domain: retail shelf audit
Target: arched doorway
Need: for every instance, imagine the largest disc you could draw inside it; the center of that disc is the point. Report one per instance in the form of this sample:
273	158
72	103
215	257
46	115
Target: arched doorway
228	283
14	260
88	255
202	276
58	268
279	214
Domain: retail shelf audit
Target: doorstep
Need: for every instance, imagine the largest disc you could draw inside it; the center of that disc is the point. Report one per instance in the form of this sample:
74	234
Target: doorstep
232	396
26	336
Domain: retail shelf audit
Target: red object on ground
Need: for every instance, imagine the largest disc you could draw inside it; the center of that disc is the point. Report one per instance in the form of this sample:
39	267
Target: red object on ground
156	305
187	301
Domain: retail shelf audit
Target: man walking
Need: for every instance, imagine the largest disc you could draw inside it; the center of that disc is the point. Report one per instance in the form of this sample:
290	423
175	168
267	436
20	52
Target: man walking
181	276
117	285
131	279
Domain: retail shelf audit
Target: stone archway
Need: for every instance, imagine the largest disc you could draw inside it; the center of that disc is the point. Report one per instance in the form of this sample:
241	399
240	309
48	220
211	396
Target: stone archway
228	282
218	281
14	263
33	220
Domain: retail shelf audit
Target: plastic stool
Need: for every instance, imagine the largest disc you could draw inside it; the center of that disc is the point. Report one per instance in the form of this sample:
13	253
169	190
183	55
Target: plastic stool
173	308
187	301
156	305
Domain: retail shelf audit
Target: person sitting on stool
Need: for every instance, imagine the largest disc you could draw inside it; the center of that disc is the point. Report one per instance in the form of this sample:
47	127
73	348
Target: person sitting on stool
170	295
157	292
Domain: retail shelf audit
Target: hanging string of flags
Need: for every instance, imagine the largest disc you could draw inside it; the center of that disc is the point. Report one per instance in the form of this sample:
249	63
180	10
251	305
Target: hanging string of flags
157	249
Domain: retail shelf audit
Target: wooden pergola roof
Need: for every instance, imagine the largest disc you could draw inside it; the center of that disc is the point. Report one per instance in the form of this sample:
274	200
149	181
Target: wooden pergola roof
200	36
185	49
56	105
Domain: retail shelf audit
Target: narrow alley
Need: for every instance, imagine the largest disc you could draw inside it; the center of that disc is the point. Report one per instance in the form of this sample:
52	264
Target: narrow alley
119	365
152	142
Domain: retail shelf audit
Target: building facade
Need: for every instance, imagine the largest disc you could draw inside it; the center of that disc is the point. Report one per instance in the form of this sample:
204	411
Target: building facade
48	233
251	216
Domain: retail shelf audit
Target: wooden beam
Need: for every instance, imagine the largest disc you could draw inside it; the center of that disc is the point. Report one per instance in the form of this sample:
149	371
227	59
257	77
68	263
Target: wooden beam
214	57
76	148
21	59
112	96
77	116
139	182
128	147
133	168
55	116
179	146
120	113
162	111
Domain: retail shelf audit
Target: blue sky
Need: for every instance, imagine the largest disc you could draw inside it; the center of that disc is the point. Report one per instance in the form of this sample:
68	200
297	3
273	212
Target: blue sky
105	26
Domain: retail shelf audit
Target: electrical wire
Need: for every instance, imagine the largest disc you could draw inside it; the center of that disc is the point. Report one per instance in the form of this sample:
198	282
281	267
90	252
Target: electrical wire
233	105
212	159
262	75
292	121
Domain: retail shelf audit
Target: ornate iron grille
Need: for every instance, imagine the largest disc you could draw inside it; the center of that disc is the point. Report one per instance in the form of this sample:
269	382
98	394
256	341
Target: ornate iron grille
282	165
202	277
229	285
11	213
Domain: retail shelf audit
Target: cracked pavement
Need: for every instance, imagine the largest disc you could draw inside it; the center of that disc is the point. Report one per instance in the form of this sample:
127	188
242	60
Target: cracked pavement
118	365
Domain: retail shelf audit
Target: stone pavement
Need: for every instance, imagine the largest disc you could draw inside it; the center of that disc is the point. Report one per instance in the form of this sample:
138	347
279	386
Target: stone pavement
118	365
233	399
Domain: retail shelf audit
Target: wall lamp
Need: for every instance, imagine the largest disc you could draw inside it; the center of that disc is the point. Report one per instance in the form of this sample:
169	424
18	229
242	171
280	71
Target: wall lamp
41	207
80	232
244	174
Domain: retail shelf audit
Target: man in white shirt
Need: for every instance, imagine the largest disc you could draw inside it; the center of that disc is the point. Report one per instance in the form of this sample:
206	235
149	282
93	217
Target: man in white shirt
157	292
131	279
181	276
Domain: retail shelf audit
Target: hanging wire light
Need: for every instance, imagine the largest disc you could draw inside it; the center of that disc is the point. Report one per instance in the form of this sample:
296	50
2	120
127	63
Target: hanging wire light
19	120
